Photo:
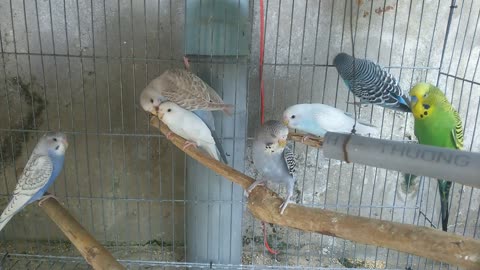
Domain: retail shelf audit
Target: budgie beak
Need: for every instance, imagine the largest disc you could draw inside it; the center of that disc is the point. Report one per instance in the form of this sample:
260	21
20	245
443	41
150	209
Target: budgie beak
282	142
154	110
160	115
285	122
65	142
413	99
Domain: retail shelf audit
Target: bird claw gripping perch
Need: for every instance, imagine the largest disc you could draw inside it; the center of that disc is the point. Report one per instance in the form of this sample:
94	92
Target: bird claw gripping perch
45	197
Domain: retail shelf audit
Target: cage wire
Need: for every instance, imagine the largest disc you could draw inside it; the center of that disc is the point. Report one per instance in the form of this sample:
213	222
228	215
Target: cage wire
79	66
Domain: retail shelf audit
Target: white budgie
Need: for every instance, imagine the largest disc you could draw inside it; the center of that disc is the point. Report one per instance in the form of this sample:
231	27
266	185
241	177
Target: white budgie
43	167
189	92
318	119
189	126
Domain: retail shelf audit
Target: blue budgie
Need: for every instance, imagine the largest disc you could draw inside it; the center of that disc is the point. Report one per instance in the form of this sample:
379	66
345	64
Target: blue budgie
189	92
317	119
189	126
273	159
43	167
371	83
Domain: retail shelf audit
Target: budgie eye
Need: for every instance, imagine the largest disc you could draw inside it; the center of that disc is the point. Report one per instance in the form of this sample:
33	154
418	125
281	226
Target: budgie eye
293	117
169	110
425	95
54	139
151	100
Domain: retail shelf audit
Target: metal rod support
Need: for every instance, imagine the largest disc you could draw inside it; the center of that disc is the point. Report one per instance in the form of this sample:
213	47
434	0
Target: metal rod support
460	166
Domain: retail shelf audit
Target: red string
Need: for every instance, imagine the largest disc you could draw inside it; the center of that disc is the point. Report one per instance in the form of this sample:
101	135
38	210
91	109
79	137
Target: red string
260	68
262	103
273	252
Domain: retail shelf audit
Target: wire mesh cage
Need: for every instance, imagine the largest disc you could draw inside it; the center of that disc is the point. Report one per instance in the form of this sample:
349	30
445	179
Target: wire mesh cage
78	66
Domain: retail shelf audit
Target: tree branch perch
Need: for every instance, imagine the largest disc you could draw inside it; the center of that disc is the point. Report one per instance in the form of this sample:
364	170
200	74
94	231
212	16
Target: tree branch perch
310	141
94	253
421	241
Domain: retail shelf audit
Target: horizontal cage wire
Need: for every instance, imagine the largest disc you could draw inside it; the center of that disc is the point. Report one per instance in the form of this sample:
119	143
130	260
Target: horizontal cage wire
79	66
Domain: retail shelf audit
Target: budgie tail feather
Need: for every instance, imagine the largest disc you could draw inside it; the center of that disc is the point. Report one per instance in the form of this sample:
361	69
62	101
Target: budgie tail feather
444	188
218	143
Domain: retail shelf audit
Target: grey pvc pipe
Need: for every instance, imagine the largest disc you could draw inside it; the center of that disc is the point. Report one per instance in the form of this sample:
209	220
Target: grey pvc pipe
449	164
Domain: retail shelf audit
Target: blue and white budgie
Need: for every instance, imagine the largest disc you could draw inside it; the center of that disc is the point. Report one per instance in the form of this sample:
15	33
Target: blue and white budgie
189	92
43	167
273	159
189	126
371	83
318	119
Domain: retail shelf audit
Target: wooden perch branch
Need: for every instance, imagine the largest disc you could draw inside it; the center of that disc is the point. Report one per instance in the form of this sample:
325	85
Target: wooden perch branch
94	253
421	241
310	141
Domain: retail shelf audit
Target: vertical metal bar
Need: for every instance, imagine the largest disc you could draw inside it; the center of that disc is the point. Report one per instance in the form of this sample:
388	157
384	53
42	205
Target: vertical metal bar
185	159
252	243
135	125
284	98
149	163
323	101
100	169
85	114
340	170
110	130
474	72
184	162
55	64
42	64
371	117
19	95
462	187
431	41
383	117
449	22
67	197
72	122
297	100
451	57
160	178
471	192
274	88
353	35
311	94
122	113
2	159
275	56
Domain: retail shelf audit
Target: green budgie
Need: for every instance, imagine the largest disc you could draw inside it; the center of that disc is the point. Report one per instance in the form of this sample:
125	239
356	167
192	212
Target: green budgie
437	123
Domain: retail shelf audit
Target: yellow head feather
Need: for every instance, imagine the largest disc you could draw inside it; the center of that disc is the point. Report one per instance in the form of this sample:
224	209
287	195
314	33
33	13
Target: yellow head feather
423	98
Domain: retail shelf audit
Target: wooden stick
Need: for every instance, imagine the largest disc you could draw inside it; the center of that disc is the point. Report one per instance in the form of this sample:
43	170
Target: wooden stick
94	253
310	141
421	241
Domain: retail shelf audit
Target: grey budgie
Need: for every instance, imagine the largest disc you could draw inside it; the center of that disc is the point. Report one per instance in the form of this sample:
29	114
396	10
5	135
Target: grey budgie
273	159
371	83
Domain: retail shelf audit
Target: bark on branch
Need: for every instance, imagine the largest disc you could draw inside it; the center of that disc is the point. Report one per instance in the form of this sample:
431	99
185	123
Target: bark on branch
94	253
310	140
